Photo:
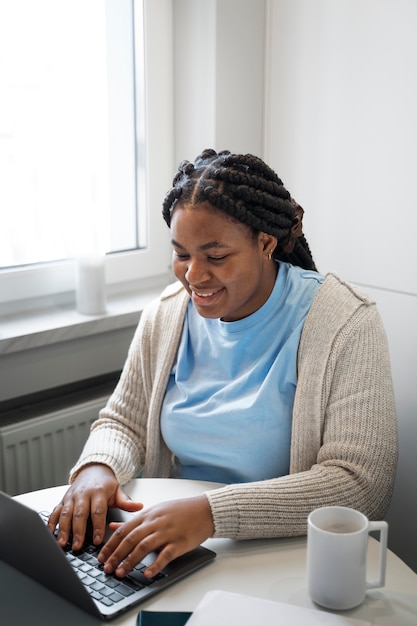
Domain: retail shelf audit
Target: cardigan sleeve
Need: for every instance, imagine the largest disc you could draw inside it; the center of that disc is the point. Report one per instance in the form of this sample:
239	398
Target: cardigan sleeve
344	440
126	436
117	438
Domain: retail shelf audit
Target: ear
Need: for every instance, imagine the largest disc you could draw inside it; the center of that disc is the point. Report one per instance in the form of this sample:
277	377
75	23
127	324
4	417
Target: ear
267	243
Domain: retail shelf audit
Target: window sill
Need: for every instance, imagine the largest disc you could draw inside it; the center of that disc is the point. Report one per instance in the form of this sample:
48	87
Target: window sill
50	323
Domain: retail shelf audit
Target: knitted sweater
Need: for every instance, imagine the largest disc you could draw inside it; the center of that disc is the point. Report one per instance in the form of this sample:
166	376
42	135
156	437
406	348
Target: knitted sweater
344	430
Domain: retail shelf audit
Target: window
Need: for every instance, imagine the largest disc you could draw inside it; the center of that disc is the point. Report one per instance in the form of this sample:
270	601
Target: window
75	171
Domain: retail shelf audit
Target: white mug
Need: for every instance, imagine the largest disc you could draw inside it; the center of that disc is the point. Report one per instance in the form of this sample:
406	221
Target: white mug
337	545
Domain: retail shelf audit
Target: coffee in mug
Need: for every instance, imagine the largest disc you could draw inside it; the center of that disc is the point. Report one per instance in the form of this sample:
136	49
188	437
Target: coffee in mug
337	545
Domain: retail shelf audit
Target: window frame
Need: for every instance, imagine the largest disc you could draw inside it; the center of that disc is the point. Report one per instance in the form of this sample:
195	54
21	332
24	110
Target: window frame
51	280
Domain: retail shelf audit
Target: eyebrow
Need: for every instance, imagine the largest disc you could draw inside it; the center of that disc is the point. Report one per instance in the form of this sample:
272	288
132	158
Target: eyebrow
206	246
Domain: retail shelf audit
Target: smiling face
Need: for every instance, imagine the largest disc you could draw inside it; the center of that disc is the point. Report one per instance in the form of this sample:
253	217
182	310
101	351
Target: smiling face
226	270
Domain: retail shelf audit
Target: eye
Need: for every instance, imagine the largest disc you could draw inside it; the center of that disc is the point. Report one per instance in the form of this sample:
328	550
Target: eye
181	256
217	259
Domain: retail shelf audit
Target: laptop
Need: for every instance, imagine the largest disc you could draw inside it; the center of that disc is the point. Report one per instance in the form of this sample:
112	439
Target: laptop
28	545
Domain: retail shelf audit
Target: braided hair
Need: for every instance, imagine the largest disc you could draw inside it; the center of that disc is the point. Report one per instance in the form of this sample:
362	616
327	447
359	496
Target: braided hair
245	188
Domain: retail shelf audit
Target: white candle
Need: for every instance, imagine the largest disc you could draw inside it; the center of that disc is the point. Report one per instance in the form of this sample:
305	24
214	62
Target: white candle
91	285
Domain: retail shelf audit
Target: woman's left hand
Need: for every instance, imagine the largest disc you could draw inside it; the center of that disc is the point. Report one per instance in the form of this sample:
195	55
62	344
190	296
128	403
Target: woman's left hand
174	528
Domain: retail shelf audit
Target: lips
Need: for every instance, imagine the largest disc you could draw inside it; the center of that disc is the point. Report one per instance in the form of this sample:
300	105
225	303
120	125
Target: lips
205	294
205	297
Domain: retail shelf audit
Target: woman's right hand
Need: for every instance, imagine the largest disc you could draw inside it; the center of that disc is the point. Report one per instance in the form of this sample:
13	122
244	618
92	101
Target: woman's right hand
94	490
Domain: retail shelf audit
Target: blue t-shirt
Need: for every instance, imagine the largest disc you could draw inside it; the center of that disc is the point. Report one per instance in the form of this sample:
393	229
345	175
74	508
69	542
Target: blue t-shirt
227	411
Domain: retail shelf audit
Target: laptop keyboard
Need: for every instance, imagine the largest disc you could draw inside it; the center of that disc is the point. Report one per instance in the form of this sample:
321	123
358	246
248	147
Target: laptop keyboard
105	588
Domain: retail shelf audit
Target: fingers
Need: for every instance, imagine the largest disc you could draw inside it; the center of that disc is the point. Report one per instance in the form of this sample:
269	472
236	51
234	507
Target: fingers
54	517
124	502
61	515
165	556
127	548
98	514
122	551
94	489
170	528
72	515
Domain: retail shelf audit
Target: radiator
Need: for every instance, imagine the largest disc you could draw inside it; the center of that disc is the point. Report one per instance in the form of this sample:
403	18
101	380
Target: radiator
39	452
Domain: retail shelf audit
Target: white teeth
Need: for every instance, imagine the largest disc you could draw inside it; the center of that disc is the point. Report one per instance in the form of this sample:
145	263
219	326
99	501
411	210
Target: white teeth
204	295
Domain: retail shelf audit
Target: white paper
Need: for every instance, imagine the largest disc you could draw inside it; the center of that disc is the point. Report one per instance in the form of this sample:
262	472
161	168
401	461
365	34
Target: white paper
218	608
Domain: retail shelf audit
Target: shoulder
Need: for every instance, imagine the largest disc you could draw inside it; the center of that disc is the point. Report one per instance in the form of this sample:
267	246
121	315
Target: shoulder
338	307
339	297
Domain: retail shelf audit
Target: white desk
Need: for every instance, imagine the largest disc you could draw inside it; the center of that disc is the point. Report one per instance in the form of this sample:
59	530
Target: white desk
273	569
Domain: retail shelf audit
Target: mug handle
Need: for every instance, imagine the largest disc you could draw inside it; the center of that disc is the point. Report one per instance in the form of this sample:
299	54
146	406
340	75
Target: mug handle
382	527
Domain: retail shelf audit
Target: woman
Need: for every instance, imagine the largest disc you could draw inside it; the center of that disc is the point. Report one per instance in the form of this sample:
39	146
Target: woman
253	370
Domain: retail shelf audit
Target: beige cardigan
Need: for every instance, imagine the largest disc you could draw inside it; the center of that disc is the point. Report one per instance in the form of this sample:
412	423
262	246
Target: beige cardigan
344	432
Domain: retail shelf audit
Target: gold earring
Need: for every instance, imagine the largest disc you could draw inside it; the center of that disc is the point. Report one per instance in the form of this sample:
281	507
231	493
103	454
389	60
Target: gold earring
269	255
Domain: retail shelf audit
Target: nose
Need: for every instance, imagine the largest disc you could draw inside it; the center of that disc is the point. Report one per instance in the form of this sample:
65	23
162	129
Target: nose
197	272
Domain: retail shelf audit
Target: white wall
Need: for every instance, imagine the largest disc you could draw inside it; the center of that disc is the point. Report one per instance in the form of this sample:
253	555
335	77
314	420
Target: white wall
341	131
219	76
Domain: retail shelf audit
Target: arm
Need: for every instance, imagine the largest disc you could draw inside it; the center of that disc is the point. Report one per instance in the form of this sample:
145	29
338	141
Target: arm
126	436
344	440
